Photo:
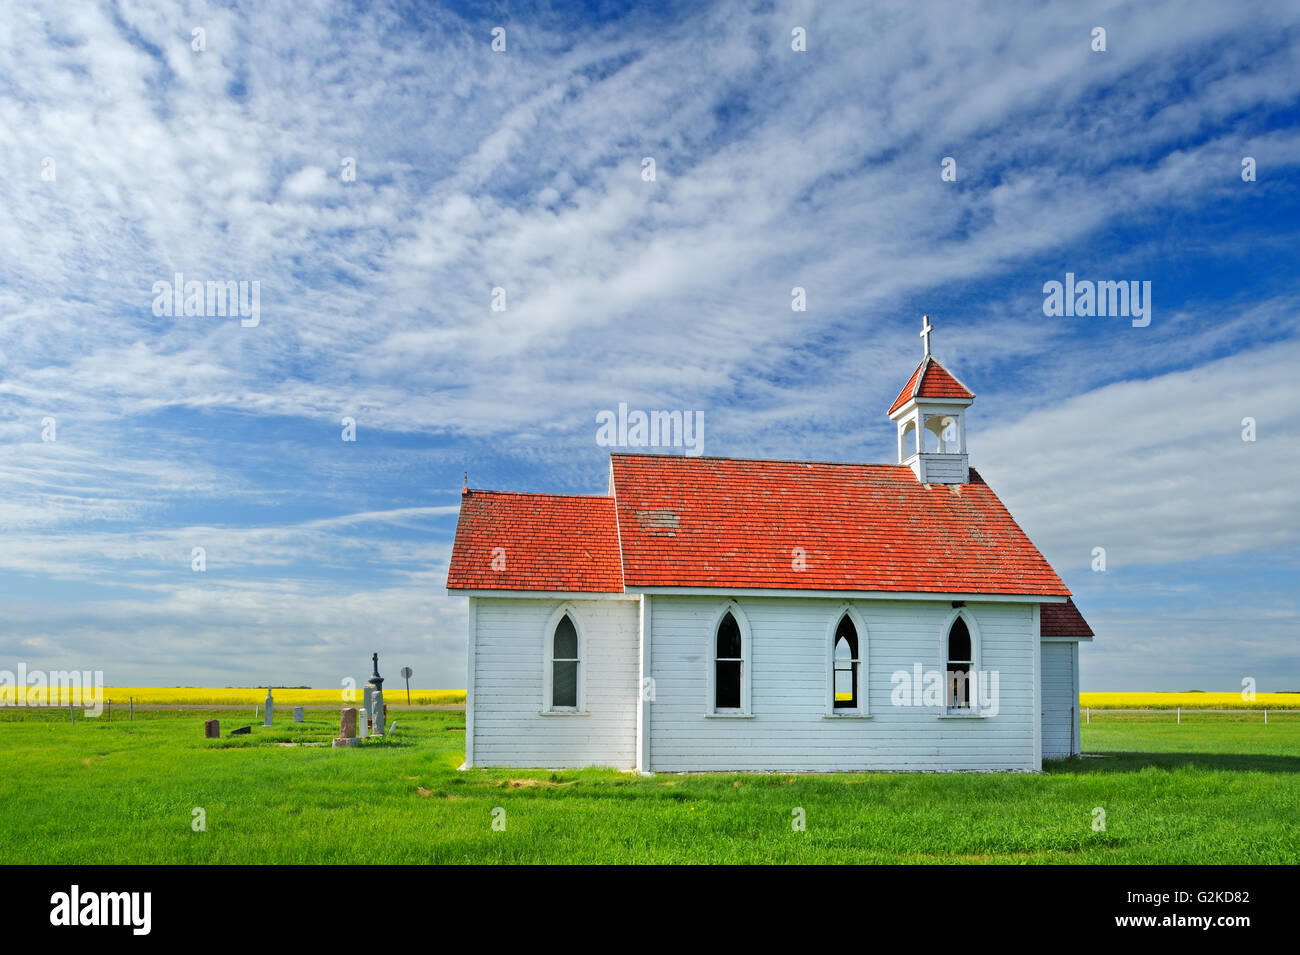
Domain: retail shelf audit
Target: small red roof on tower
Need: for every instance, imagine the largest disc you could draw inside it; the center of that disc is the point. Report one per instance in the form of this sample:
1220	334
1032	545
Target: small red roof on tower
930	380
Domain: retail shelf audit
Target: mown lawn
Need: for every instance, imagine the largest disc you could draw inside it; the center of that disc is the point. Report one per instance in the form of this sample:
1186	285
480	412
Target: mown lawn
1215	789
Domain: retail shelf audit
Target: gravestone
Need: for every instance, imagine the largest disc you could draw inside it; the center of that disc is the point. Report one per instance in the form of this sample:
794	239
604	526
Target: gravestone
297	714
270	705
347	727
212	729
242	731
378	712
363	724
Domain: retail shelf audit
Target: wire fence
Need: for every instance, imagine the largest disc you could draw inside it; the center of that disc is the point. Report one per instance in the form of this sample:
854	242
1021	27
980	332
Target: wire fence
1176	714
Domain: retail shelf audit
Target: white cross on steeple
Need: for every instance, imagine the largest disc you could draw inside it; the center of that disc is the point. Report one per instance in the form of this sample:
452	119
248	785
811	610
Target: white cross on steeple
926	329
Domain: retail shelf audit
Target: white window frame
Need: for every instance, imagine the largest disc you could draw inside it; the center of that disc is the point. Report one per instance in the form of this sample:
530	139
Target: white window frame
746	664
548	659
976	646
862	710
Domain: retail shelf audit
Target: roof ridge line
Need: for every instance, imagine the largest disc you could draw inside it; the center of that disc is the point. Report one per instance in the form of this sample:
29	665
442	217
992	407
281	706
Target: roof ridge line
595	497
720	457
618	531
968	388
919	375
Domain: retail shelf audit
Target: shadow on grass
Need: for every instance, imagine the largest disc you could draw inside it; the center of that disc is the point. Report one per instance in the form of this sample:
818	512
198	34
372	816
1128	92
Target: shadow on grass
1130	762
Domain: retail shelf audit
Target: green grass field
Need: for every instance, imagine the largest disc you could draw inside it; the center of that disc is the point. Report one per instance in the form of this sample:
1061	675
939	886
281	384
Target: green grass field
1217	789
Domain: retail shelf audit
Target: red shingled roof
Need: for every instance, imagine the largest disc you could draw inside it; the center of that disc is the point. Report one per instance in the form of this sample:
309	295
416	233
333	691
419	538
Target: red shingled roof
935	382
1062	620
549	541
728	523
722	522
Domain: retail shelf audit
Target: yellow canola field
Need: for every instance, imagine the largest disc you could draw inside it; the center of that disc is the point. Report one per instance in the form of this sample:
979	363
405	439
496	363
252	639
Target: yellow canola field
396	694
1189	701
393	694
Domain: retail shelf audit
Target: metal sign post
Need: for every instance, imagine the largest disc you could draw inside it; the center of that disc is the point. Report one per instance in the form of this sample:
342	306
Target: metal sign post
407	673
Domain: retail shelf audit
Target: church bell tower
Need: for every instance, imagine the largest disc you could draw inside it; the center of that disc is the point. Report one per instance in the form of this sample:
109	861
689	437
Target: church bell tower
930	413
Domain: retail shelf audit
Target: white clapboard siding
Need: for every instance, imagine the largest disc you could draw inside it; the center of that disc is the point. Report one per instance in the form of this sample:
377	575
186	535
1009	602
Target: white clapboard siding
789	730
509	673
946	468
1060	700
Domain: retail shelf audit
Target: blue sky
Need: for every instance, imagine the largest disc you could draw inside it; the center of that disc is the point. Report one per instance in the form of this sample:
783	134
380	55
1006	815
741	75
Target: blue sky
521	169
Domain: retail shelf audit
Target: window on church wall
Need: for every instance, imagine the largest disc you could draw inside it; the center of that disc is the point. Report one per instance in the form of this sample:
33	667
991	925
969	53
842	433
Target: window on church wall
564	665
728	665
844	675
961	662
846	665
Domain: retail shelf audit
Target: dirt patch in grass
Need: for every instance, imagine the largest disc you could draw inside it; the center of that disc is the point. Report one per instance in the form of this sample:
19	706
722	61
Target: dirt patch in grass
531	783
449	797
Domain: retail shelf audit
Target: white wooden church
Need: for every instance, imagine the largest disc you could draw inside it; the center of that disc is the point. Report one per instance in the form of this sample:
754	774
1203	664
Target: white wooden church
729	614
